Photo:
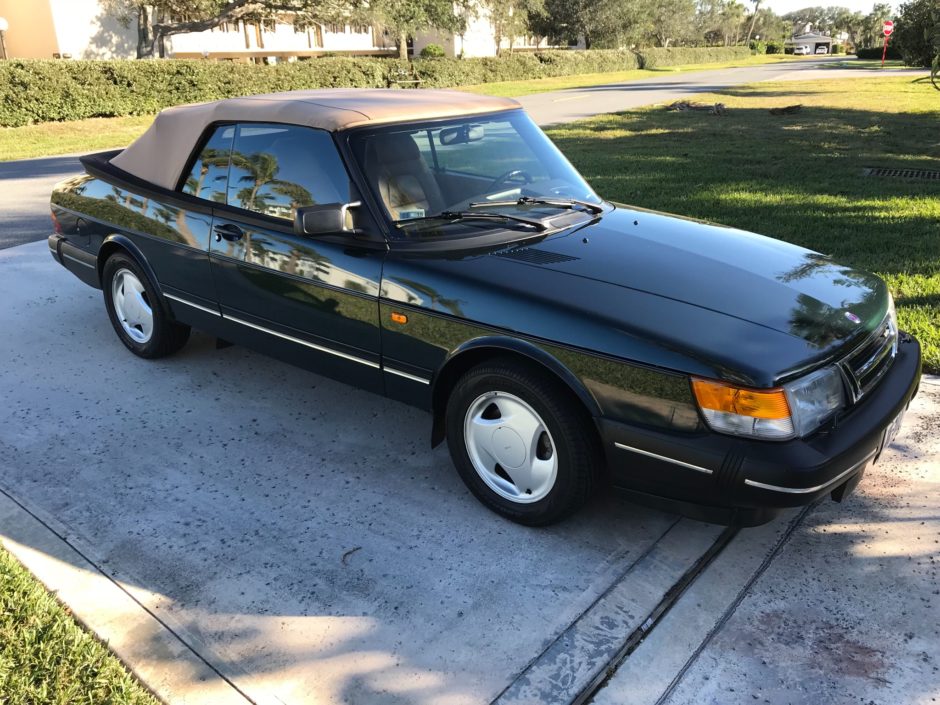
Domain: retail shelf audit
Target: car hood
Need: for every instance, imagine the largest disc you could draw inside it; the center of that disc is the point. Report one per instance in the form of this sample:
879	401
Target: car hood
658	290
764	281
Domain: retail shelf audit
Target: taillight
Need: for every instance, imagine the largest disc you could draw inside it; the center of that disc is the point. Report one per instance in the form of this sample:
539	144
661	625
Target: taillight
56	225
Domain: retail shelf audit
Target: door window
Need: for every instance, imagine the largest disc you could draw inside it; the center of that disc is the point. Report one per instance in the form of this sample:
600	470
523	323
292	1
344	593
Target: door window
209	176
276	169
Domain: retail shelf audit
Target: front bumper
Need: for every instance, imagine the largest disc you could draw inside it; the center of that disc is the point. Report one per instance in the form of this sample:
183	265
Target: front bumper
743	481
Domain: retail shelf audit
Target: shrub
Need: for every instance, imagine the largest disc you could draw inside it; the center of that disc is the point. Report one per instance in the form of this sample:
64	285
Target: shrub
915	27
875	53
39	90
433	51
758	47
837	49
774	48
676	56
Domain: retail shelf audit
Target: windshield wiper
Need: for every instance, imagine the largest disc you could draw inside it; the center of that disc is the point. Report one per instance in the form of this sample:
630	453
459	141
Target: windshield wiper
541	201
465	215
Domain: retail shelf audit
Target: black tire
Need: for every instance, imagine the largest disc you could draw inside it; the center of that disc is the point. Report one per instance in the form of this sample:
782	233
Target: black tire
570	427
167	336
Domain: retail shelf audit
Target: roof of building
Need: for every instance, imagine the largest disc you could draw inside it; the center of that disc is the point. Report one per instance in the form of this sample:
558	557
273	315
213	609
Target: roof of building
810	36
161	153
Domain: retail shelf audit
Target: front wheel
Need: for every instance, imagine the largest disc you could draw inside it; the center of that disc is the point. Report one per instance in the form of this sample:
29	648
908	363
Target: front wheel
136	312
521	442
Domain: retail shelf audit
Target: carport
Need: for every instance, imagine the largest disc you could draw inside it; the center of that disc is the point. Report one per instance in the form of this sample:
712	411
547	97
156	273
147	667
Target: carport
810	39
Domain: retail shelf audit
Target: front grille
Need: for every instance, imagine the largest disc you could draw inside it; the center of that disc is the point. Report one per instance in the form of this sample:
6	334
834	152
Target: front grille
868	363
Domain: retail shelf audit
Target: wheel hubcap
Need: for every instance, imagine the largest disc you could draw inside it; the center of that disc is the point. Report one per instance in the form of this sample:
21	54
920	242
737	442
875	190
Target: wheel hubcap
510	447
132	305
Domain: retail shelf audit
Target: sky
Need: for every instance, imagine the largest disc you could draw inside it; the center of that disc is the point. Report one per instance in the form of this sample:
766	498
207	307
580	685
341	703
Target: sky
782	7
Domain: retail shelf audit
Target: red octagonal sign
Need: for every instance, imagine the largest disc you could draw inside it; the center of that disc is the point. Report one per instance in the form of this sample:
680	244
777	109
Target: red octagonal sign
888	28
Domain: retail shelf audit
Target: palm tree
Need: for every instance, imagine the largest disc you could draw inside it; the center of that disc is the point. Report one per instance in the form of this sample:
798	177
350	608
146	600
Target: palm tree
262	168
209	158
753	20
295	193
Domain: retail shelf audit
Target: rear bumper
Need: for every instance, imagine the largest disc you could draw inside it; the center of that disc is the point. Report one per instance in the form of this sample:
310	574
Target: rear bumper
82	264
735	480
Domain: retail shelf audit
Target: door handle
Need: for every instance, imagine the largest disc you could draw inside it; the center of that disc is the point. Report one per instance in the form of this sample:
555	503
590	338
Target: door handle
228	231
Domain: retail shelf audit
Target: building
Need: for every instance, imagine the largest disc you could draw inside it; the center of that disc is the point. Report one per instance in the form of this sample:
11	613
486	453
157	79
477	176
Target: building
80	29
479	39
811	40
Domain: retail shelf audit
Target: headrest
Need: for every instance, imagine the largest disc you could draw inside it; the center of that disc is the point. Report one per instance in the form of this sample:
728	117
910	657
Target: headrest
396	147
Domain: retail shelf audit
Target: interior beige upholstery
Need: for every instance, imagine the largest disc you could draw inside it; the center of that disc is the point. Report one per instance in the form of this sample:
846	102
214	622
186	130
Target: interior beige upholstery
401	177
161	154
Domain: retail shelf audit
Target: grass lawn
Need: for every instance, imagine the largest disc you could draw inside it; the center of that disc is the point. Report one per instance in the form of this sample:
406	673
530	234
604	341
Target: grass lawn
46	658
84	136
795	177
853	63
541	85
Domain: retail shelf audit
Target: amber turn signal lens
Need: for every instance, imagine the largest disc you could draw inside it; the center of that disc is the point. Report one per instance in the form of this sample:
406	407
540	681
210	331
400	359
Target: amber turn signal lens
399	317
756	403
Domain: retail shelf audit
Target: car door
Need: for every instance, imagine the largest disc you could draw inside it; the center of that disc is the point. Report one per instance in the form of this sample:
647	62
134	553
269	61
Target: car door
312	301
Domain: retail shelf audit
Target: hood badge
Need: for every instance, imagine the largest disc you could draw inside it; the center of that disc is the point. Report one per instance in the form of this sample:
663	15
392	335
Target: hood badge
852	317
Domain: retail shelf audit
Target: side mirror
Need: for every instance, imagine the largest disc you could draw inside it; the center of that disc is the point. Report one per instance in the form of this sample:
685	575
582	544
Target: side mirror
325	219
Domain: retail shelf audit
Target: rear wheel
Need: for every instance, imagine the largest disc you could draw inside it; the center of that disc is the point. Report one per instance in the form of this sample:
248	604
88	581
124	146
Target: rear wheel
521	442
138	315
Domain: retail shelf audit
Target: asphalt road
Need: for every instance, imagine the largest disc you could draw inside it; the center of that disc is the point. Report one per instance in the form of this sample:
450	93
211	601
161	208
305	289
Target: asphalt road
24	193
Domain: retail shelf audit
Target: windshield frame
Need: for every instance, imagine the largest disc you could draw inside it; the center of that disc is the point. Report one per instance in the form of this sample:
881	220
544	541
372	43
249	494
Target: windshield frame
461	234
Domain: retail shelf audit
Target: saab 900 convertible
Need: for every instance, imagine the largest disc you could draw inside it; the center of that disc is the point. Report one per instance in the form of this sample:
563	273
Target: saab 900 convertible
436	247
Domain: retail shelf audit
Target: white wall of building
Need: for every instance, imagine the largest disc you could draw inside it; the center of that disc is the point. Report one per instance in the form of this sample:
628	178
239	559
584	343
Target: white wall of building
83	30
346	38
478	40
236	37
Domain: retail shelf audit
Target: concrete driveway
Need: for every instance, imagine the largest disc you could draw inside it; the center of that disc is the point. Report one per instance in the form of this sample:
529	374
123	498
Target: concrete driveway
295	533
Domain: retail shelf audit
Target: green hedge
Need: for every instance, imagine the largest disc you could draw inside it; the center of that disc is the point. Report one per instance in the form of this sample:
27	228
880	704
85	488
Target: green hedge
33	91
658	58
875	53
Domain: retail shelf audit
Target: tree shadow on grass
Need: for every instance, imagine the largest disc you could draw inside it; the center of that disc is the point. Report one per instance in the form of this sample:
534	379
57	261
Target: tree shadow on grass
800	177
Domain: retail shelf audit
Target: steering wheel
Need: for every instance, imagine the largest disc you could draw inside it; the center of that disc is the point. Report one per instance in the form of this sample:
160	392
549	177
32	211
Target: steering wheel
508	176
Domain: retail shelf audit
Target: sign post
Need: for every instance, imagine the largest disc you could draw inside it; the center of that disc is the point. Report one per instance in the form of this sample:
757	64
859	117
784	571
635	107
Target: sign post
887	29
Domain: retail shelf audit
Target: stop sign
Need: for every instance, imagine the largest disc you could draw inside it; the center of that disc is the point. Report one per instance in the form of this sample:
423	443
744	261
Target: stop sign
888	28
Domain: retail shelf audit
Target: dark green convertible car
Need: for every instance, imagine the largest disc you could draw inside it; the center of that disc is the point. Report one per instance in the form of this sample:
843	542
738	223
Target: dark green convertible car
436	247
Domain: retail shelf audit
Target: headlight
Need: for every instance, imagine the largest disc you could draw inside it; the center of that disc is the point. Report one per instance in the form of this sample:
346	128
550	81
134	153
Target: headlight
781	413
893	323
814	398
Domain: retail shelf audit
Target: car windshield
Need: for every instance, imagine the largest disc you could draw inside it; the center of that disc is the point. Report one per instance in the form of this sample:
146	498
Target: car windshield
459	177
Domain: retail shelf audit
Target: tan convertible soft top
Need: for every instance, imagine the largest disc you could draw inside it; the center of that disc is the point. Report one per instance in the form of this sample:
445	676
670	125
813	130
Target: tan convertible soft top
160	154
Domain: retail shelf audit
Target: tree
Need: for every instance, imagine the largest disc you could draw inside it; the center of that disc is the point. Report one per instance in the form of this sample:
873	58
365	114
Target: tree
872	25
158	19
917	32
672	20
404	18
750	29
511	18
601	23
722	22
770	26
